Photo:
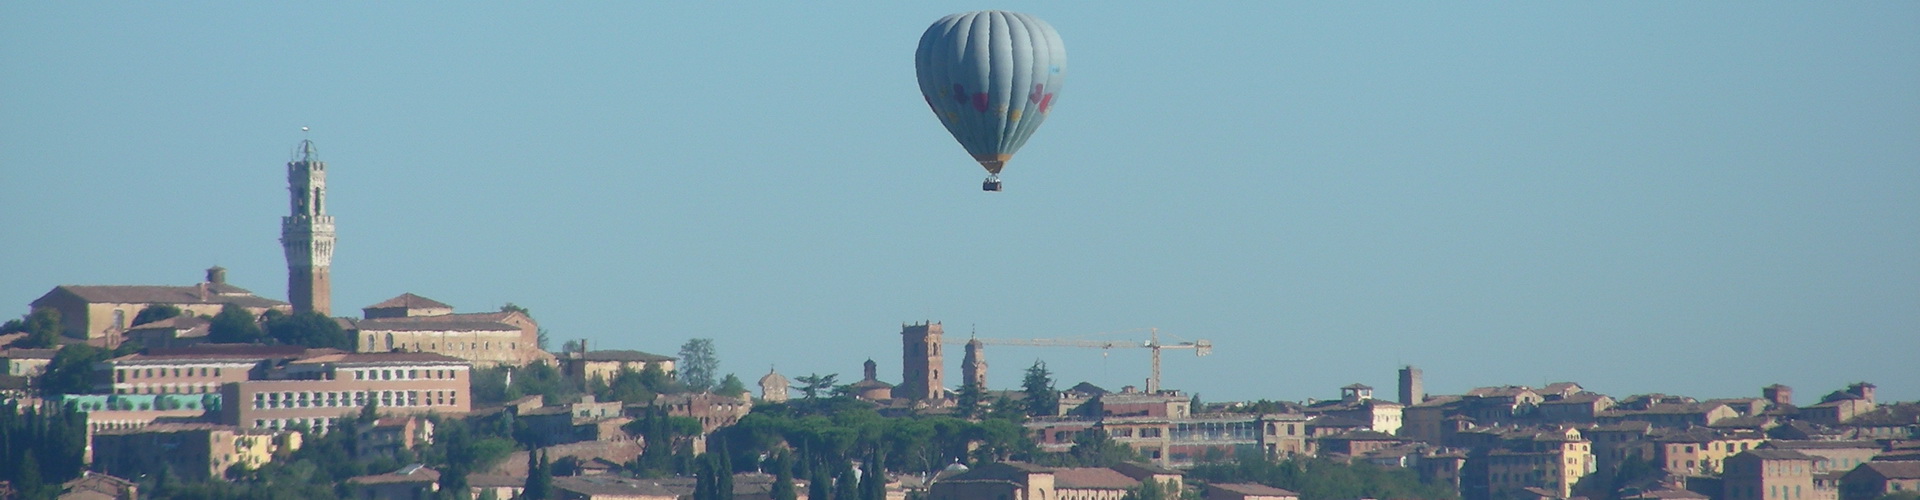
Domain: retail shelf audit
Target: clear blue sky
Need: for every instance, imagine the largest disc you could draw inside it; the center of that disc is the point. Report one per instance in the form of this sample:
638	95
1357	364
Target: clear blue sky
1699	197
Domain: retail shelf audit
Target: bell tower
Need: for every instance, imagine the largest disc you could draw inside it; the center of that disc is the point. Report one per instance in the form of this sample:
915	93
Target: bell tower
921	363
307	233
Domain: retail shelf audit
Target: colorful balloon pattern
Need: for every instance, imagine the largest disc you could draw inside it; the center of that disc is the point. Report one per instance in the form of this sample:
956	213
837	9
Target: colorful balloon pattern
991	77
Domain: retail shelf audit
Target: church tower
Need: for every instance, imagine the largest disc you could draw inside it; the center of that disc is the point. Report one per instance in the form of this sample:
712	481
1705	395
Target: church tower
307	233
920	363
973	367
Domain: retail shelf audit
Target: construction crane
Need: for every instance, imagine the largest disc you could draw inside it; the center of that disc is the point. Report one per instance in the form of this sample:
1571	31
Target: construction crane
1200	348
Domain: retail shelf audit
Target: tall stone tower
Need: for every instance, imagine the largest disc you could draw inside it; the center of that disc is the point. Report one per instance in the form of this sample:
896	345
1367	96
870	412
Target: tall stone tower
974	366
1411	390
307	233
921	362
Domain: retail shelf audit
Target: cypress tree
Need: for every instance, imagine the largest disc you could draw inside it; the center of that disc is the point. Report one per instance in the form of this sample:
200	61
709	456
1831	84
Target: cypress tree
783	478
821	486
846	487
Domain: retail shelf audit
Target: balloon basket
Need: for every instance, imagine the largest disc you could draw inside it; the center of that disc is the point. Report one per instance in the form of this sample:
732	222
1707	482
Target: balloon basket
991	184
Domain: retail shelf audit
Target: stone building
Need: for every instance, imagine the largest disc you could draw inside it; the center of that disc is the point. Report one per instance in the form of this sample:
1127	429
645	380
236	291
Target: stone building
1768	474
177	331
1412	387
604	365
1248	491
317	391
1020	480
199	369
773	387
921	364
306	233
869	387
25	362
102	314
387	437
196	452
417	324
1874	479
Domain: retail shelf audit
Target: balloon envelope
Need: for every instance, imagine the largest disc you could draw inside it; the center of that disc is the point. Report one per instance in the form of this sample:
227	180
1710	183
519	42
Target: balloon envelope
991	77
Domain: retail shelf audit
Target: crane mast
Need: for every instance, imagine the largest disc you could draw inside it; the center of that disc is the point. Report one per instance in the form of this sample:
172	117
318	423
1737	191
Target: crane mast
1199	347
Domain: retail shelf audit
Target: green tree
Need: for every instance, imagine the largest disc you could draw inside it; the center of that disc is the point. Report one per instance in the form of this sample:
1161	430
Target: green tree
813	384
539	477
783	478
156	312
967	401
698	364
1150	490
71	370
234	325
820	487
42	327
1042	400
731	386
1094	448
310	329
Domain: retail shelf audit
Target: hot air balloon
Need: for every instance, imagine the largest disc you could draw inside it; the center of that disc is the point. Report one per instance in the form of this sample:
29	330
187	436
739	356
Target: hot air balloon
992	77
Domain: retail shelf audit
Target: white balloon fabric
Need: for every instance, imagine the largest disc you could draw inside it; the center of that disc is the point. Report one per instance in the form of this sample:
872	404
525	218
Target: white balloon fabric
992	77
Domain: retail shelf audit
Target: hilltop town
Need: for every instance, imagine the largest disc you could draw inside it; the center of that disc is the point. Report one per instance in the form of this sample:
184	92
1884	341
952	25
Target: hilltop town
209	390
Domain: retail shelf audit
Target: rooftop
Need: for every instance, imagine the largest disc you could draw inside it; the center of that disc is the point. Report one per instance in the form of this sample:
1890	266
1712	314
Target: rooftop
623	355
410	301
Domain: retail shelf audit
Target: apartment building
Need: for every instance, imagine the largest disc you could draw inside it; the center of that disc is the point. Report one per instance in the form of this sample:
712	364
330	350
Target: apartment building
1768	474
315	392
197	452
198	369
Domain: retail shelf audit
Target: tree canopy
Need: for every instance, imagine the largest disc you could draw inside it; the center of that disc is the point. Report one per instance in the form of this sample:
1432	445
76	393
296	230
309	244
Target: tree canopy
234	325
698	364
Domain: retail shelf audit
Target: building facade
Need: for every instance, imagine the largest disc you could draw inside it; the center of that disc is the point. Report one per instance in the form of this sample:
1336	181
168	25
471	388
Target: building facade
417	324
316	392
921	363
102	314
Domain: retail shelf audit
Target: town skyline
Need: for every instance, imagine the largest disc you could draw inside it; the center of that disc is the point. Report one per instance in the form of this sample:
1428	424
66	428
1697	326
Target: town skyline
1683	199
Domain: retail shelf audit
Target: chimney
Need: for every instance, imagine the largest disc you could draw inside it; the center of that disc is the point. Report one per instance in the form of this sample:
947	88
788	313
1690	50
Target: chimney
583	346
202	290
217	275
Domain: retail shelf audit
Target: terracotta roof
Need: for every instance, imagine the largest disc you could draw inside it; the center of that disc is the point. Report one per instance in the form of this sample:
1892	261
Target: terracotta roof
1254	489
28	353
1092	478
146	294
432	323
495	481
1895	470
1332	421
1773	454
613	486
382	357
1579	398
226	352
410	301
1799	444
183	322
1670	494
623	355
1362	435
415	473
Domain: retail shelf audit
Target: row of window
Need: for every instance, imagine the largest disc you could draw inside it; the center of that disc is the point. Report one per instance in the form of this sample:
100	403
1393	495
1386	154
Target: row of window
396	374
352	399
318	425
168	389
121	375
435	346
